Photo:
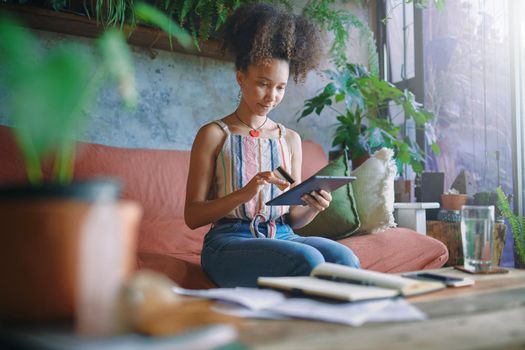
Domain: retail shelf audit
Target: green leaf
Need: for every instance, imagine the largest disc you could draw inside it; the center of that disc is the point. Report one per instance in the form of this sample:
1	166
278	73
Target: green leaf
436	149
152	15
119	64
306	111
46	95
417	167
440	4
186	7
329	90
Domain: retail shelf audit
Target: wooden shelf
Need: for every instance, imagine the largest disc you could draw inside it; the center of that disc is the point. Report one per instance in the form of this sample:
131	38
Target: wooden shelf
81	25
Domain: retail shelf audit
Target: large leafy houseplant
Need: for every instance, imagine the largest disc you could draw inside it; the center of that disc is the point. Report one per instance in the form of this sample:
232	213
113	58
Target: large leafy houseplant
360	101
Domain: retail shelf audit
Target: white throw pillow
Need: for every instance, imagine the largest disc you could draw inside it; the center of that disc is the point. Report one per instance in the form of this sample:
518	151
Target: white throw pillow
374	191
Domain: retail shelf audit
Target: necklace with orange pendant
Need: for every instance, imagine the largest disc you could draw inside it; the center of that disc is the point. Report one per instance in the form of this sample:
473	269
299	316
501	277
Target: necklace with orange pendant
254	132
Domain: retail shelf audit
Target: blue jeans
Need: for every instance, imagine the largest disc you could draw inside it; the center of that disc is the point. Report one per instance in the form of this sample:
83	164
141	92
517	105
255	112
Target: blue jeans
231	257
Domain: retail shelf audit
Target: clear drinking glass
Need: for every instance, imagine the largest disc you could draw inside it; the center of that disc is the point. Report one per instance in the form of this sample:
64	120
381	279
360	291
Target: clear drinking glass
477	223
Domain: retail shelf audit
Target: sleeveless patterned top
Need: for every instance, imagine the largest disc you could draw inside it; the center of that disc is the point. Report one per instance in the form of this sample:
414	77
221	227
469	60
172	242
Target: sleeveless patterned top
240	159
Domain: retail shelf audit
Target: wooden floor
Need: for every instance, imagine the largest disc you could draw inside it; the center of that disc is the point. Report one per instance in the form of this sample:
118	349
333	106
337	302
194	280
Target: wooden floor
489	315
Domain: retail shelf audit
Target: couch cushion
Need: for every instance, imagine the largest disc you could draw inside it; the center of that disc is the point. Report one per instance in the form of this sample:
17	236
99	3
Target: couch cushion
314	158
172	236
184	273
374	191
397	250
340	219
157	180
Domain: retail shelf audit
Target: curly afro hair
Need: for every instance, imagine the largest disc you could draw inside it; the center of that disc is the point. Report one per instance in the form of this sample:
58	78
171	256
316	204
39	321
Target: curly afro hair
256	32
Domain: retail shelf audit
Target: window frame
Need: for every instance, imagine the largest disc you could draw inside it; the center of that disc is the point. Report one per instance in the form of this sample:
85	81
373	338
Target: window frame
517	57
416	83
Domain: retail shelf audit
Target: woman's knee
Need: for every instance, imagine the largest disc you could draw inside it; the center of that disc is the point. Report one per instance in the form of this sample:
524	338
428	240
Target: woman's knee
350	259
338	253
304	260
345	256
332	251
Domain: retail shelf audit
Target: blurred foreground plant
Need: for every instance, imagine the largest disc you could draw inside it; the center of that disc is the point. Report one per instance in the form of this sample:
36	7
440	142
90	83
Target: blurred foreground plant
48	90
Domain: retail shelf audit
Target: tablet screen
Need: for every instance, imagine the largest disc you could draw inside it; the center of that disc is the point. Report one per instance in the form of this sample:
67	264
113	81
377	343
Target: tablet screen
314	183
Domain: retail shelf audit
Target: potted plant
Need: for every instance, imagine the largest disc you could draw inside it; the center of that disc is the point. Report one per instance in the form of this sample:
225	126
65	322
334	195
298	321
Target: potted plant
517	224
361	101
453	200
45	222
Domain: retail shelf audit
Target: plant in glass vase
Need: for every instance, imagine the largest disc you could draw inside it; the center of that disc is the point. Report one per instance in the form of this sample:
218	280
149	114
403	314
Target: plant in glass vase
361	102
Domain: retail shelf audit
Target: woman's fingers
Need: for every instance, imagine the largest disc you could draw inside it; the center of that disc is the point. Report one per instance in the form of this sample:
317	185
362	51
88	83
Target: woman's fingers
319	199
326	195
269	177
260	179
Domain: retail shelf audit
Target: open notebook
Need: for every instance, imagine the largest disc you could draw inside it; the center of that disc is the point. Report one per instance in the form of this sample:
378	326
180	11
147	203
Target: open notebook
350	284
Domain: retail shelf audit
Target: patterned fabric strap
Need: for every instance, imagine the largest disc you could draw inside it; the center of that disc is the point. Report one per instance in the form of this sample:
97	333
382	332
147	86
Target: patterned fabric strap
282	130
223	125
254	224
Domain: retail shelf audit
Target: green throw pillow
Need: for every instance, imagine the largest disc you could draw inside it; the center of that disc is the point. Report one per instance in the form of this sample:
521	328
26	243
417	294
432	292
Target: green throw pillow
340	219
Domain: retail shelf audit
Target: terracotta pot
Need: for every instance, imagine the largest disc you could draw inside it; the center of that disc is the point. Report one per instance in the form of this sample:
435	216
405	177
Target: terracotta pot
453	201
39	255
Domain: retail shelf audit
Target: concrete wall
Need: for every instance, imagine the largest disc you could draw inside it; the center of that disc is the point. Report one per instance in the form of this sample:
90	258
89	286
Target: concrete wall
179	93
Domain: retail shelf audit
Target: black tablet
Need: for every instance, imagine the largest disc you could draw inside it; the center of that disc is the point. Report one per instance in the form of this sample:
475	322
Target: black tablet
314	183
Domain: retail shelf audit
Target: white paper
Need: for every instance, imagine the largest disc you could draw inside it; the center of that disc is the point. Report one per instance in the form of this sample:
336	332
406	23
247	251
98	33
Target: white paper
269	304
398	310
252	298
354	314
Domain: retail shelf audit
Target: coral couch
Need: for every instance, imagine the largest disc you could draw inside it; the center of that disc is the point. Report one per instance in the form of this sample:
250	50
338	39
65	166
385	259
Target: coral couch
157	179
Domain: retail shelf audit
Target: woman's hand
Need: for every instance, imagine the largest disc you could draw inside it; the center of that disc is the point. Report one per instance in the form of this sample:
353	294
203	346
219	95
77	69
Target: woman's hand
261	179
317	200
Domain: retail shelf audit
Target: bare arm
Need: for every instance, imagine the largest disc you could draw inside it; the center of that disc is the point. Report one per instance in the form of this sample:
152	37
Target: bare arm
198	210
302	215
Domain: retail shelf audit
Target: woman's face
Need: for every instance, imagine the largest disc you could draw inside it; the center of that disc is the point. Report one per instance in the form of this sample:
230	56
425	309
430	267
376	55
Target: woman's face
263	85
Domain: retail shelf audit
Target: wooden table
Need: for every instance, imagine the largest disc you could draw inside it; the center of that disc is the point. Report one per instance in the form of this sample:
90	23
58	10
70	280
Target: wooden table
488	315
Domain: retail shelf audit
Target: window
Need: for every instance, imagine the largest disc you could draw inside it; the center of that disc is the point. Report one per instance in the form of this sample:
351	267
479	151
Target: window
467	84
400	40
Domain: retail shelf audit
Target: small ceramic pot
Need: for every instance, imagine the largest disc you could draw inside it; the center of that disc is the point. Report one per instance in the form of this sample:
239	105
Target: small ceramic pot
453	201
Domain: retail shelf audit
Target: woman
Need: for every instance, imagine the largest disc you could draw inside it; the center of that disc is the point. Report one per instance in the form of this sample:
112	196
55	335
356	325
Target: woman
232	160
